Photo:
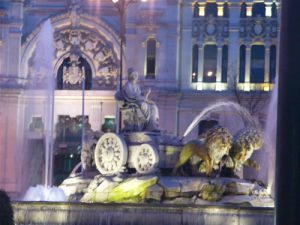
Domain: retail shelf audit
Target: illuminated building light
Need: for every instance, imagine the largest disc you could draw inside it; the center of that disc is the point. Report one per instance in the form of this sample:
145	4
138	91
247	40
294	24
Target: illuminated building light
210	73
202	9
194	76
266	87
220	10
249	10
199	86
268	11
221	86
247	87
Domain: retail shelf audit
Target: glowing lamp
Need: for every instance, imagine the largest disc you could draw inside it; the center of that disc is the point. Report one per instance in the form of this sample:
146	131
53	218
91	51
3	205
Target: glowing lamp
209	73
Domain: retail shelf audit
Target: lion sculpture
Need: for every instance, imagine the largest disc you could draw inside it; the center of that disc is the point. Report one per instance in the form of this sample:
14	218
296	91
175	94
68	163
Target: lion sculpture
245	143
211	149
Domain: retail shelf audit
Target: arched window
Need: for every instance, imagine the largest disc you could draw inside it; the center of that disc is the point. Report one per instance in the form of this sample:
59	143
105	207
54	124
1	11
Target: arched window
257	64
70	73
211	9
210	63
274	10
272	63
195	63
259	9
243	10
225	10
224	63
196	9
151	56
242	67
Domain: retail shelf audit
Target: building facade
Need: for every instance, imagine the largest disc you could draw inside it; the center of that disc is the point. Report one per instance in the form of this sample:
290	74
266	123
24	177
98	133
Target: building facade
190	53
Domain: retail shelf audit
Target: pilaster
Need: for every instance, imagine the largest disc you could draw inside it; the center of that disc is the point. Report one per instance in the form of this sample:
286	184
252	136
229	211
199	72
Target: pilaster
200	65
219	67
248	66
267	64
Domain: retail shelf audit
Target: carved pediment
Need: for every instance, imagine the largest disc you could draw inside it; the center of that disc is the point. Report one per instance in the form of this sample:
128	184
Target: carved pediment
101	53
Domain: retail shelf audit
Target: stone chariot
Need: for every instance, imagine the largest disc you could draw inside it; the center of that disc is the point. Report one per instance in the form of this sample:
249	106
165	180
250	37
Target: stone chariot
143	151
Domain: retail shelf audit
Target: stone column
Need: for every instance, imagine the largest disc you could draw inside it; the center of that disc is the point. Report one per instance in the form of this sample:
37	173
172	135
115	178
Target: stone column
288	127
200	65
13	42
248	67
219	68
267	68
186	48
233	43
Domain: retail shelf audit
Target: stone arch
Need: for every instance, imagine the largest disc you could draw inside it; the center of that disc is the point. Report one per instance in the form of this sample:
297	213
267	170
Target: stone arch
95	40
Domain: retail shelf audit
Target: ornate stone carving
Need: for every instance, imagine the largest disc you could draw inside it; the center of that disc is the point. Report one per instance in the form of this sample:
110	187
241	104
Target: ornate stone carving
145	159
110	154
98	50
73	74
210	28
74	13
258	28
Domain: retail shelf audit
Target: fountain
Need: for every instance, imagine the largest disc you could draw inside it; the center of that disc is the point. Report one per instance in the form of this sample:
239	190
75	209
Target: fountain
270	138
152	155
39	108
136	167
218	107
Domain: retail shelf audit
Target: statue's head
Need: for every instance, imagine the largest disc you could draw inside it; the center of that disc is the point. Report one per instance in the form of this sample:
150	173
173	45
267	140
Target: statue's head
218	142
133	75
249	139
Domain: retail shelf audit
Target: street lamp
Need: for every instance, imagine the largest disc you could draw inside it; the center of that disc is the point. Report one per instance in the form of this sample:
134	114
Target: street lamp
122	6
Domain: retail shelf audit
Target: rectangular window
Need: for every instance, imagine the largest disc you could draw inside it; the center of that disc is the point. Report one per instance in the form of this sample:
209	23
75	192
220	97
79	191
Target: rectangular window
272	63
195	64
151	58
224	63
210	63
257	64
242	68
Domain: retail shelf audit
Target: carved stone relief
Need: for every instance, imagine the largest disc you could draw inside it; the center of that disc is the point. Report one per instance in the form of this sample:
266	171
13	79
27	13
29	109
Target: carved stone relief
96	49
73	74
210	28
258	28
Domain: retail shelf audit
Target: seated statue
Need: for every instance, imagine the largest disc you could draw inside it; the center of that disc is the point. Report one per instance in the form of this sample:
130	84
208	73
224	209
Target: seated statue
146	116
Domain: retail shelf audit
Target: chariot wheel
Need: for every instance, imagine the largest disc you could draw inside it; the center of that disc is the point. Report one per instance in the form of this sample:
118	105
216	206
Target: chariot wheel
145	159
110	154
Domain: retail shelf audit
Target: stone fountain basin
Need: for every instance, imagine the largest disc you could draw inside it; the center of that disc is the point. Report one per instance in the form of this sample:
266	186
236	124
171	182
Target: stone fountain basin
38	213
164	190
